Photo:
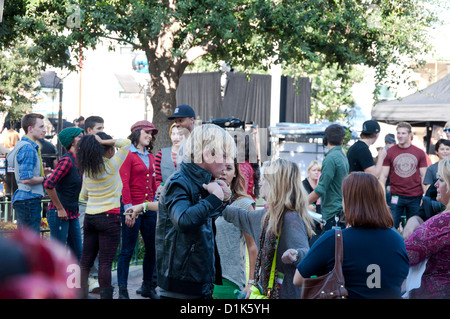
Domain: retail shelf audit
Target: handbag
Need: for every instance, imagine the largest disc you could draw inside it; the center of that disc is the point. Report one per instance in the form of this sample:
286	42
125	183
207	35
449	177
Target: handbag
331	285
256	291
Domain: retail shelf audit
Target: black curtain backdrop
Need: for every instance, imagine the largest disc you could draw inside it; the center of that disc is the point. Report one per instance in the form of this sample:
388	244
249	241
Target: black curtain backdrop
202	92
246	98
297	95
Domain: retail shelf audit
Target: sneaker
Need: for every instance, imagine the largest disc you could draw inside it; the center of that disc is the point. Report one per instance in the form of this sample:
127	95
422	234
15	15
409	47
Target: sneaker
94	287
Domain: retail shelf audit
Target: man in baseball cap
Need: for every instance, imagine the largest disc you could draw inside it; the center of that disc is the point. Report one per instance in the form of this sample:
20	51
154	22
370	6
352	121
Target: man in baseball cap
359	156
370	127
184	117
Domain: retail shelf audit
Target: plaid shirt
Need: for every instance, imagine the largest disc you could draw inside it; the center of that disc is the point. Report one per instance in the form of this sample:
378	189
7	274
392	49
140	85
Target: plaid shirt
27	157
62	169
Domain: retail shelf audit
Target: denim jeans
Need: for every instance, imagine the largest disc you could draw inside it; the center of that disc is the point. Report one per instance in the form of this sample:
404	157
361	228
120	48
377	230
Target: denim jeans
405	206
66	231
28	213
146	223
101	236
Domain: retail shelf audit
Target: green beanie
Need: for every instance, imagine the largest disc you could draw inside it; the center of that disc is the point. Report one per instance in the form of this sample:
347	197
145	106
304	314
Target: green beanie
67	135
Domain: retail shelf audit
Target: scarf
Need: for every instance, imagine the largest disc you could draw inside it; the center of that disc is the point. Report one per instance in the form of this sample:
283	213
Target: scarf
263	266
39	154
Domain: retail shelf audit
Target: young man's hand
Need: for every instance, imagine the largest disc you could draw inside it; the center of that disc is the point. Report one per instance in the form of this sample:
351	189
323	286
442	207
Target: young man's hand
214	188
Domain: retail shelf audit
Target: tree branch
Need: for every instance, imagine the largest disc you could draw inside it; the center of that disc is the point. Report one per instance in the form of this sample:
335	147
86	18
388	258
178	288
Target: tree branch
141	47
199	50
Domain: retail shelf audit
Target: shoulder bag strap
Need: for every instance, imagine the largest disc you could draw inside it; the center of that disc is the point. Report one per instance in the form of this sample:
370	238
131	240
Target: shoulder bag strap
339	255
272	271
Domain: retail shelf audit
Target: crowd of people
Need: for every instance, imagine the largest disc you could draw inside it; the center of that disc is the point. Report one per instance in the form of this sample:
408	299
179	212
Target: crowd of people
194	204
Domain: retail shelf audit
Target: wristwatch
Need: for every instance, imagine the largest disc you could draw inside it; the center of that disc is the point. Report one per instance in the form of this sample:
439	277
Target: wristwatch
296	256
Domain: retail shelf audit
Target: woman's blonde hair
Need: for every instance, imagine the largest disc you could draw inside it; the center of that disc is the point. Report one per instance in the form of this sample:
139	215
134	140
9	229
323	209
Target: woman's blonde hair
209	137
286	193
312	164
11	139
170	129
444	173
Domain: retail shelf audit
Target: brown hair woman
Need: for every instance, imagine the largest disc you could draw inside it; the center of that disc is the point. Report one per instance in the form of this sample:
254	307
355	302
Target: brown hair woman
375	261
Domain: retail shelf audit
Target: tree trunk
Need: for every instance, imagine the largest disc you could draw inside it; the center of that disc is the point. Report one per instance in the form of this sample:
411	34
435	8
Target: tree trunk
163	87
165	73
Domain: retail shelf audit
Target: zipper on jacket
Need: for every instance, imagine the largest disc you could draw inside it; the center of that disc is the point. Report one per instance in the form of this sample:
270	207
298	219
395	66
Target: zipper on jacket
191	250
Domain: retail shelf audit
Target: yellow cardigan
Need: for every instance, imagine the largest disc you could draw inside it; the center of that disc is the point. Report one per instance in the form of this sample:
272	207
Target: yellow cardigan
103	192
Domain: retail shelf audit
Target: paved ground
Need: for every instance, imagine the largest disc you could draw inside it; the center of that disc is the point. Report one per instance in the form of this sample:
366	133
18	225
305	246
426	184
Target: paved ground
134	282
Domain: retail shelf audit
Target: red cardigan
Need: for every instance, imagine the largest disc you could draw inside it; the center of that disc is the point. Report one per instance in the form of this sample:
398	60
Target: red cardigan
138	181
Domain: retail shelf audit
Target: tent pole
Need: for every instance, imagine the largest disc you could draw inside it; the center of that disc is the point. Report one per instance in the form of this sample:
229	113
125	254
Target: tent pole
428	136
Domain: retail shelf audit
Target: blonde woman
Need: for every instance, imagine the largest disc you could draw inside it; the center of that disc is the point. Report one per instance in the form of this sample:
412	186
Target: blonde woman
285	219
310	183
447	130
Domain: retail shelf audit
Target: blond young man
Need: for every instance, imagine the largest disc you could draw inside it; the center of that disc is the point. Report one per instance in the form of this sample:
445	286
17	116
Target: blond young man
185	245
405	164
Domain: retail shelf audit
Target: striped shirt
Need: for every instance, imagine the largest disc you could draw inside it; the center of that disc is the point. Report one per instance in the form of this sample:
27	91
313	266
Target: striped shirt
103	192
158	175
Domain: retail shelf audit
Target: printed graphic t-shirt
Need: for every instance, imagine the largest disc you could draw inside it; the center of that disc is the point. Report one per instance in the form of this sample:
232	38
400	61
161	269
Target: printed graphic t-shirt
404	164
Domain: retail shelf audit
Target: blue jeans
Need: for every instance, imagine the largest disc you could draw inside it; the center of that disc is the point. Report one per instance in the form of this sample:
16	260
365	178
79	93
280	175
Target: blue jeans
146	223
28	213
405	206
66	231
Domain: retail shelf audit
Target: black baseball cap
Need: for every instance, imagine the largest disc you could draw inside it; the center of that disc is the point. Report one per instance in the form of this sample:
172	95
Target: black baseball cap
370	127
183	110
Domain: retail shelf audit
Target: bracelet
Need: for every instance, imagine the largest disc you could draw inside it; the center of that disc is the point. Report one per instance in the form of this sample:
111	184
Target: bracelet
226	200
145	204
251	281
296	257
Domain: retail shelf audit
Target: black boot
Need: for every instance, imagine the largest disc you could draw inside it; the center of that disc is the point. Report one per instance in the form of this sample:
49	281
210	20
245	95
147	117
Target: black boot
123	292
106	293
84	291
149	291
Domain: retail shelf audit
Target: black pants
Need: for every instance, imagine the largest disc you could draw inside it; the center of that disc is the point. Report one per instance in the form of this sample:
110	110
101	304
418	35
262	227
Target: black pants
330	223
102	237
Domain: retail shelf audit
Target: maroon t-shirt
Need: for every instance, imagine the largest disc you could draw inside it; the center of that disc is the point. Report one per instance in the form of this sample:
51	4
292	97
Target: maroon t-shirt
404	175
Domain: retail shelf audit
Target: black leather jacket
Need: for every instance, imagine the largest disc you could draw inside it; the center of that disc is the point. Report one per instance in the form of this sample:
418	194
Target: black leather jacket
184	232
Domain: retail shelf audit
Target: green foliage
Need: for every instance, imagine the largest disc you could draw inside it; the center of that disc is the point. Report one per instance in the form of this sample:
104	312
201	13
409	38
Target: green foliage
251	34
18	80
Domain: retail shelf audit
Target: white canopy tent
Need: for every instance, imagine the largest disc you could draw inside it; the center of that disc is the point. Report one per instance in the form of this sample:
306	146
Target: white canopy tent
425	108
